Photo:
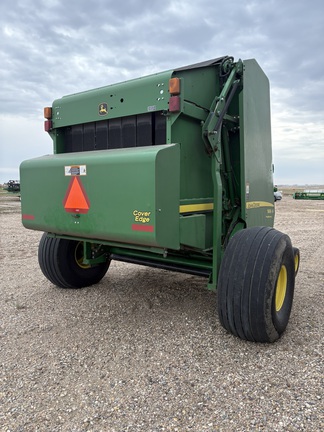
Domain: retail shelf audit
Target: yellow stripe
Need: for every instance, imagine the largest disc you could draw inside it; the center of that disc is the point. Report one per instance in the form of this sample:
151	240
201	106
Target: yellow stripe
258	204
190	208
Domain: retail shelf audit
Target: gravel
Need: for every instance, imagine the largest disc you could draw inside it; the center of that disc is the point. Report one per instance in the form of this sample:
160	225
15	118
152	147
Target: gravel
143	350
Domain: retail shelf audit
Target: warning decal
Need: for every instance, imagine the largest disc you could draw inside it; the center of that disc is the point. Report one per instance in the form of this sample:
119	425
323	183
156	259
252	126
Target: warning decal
76	199
75	170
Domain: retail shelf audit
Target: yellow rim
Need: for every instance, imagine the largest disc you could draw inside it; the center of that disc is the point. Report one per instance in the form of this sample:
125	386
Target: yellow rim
78	255
281	288
296	262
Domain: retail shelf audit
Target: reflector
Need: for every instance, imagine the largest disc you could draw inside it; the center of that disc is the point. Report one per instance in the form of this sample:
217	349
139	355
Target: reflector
48	112
174	103
76	199
47	125
174	86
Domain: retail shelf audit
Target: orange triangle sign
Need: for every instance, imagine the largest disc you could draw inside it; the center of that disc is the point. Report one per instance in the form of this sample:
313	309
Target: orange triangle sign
76	200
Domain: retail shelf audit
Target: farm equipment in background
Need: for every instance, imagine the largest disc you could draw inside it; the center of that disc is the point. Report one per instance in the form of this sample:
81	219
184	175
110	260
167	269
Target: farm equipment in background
309	195
12	186
173	171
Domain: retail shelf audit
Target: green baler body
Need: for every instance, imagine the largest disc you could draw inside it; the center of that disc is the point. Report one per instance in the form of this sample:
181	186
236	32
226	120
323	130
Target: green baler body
131	168
132	208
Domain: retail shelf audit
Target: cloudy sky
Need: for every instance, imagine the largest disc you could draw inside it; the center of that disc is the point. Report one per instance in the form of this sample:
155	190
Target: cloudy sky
49	48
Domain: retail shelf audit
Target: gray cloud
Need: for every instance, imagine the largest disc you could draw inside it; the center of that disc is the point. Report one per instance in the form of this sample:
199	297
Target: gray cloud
51	48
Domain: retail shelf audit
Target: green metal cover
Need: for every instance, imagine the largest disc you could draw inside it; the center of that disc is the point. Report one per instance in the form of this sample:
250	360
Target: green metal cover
125	196
256	153
136	96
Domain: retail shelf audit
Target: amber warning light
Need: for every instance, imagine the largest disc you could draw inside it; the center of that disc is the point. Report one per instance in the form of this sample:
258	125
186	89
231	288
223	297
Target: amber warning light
48	116
174	86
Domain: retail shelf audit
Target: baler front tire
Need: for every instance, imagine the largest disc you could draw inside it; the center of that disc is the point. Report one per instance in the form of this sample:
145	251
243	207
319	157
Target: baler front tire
256	284
61	263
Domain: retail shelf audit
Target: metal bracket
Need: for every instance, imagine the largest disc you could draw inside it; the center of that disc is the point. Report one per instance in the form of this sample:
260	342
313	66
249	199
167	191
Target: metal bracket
211	134
93	253
211	130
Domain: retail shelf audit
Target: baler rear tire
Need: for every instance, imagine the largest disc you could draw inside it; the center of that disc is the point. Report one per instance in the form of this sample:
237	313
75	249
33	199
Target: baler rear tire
61	263
256	284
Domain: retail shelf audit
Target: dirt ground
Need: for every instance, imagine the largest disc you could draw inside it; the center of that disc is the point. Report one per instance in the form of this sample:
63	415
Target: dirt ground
143	350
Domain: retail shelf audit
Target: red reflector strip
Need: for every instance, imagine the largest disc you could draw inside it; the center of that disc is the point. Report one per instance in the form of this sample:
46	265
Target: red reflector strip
28	217
145	228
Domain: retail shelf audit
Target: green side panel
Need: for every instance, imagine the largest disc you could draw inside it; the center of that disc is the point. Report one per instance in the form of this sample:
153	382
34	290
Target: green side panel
196	180
199	86
131	97
256	153
196	231
126	195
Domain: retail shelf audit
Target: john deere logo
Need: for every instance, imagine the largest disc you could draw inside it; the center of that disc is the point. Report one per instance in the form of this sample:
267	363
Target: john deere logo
103	109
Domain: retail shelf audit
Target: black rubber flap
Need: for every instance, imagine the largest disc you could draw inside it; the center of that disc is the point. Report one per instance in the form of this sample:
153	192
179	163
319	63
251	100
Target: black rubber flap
203	64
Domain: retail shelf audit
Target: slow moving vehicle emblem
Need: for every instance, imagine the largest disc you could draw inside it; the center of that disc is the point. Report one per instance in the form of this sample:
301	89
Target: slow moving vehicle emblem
76	199
103	109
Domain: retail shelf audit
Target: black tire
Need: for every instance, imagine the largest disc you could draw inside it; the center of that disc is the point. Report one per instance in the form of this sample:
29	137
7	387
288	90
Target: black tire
256	284
60	262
